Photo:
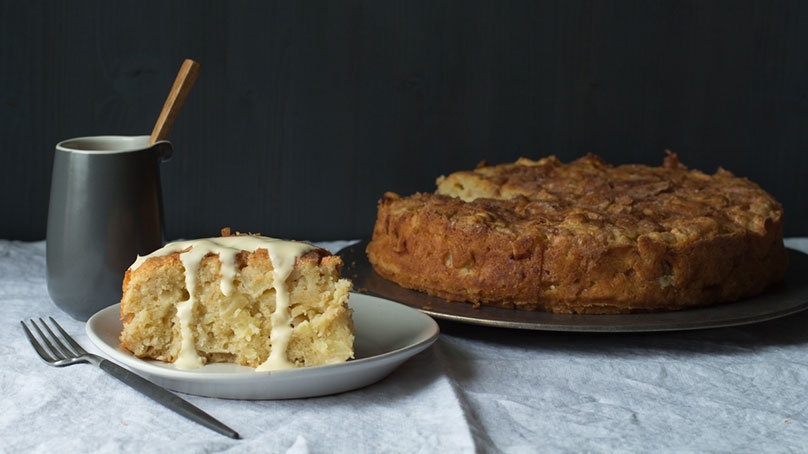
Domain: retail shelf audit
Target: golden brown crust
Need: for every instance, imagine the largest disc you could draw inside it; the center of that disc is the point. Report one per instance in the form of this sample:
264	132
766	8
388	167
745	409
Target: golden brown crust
584	237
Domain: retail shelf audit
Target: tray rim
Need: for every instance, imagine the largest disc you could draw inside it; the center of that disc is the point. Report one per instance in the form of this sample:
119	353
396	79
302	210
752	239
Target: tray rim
782	299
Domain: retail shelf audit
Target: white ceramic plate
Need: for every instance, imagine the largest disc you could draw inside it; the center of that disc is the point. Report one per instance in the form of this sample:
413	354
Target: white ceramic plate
387	334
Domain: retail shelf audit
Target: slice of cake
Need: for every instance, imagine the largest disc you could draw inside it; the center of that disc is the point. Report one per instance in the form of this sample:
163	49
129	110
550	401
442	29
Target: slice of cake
244	299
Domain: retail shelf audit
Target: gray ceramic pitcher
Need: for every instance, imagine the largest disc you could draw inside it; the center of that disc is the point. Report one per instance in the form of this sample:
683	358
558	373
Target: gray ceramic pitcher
105	209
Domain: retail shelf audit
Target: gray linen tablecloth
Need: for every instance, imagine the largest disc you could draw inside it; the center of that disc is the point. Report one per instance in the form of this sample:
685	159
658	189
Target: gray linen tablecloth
477	389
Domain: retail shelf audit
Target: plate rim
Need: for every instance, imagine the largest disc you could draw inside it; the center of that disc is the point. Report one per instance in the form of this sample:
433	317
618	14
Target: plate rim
717	316
424	335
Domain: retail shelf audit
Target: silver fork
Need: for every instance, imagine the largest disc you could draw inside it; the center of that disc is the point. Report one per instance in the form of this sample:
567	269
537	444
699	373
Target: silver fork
59	354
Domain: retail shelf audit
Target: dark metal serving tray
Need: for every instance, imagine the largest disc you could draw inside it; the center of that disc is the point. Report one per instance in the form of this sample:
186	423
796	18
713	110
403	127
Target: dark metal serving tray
787	297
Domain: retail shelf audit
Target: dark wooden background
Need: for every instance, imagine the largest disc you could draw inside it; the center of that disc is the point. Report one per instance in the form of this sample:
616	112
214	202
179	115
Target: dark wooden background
306	112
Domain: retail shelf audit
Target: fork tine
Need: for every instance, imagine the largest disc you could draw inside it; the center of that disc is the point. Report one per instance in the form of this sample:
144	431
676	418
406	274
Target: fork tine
61	349
76	347
52	350
35	343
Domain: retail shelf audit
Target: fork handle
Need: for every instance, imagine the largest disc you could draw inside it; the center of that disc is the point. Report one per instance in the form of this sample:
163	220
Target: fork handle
166	398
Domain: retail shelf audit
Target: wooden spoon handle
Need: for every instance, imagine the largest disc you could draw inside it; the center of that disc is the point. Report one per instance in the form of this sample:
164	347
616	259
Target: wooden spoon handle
176	97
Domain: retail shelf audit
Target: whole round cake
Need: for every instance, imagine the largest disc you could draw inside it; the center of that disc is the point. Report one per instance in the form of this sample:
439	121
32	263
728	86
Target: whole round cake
584	237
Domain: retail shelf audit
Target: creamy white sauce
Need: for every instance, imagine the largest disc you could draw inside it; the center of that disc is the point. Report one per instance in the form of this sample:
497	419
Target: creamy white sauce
281	317
283	255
